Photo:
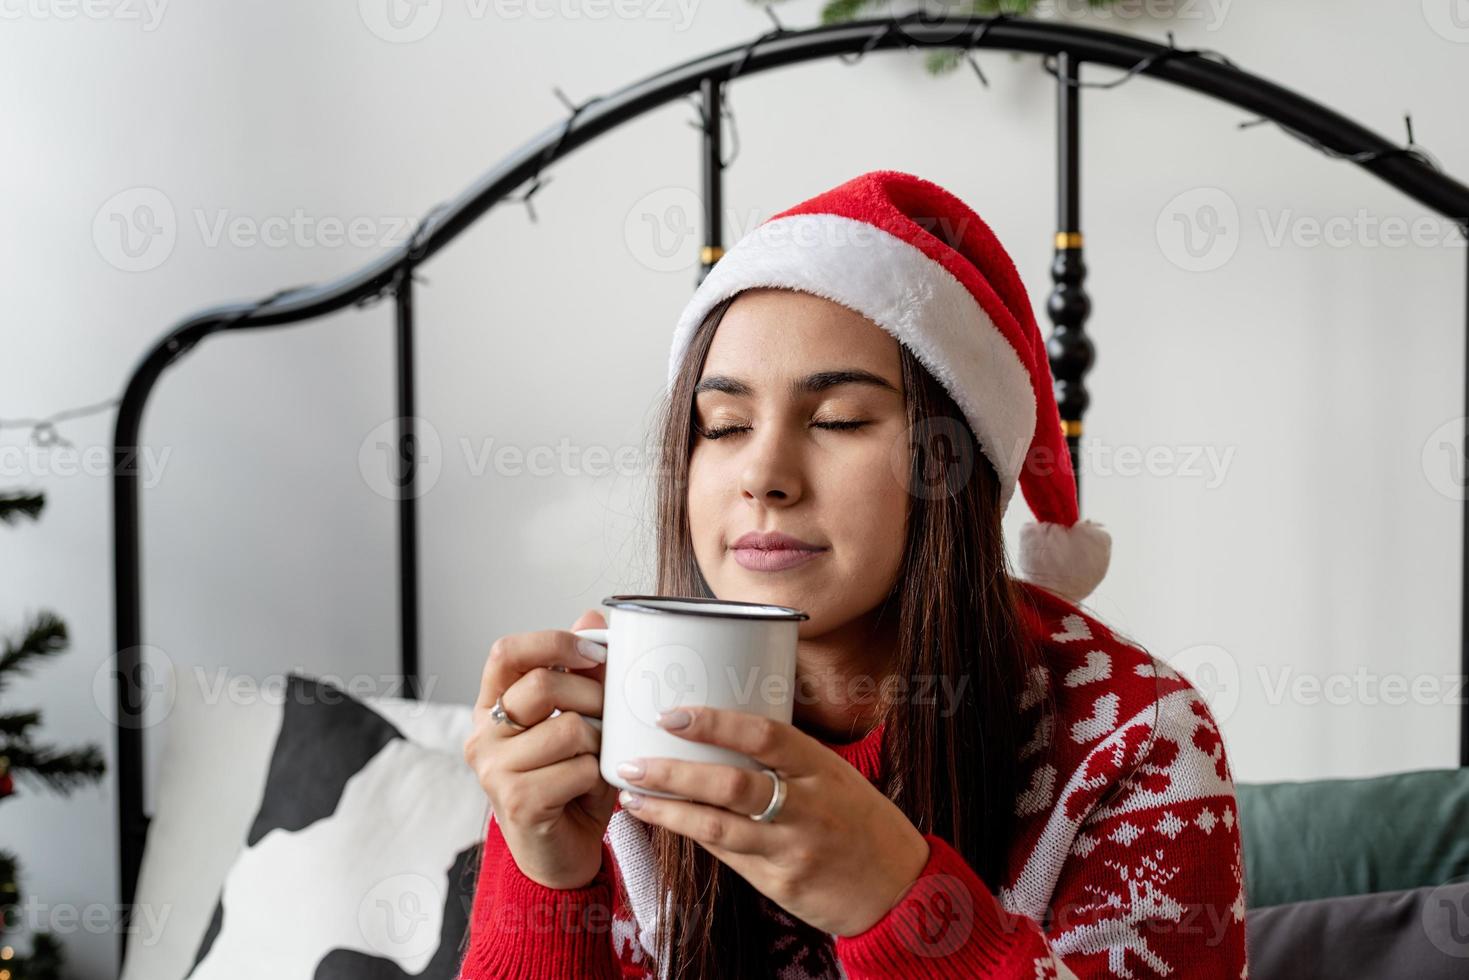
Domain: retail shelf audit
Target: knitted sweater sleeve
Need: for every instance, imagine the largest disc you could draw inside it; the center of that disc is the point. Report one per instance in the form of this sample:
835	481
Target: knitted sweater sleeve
524	930
1148	882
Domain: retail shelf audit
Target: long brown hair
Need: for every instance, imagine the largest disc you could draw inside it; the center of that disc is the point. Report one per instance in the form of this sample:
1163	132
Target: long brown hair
951	766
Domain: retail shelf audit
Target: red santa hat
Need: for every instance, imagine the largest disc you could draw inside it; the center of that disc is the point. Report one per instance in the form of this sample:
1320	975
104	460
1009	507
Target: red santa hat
919	263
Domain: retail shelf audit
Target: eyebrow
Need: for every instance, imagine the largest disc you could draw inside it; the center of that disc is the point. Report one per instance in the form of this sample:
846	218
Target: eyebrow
810	384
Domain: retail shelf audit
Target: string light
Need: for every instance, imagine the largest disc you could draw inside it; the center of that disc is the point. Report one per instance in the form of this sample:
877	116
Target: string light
44	433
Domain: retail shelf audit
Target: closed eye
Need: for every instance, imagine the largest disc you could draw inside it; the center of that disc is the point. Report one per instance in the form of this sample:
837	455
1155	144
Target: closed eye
839	425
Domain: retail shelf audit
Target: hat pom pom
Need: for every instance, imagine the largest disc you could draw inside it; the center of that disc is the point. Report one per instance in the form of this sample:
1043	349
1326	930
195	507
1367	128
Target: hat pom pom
1071	560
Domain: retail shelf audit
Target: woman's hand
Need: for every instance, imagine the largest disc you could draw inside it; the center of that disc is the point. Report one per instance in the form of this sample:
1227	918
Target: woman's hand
838	855
544	783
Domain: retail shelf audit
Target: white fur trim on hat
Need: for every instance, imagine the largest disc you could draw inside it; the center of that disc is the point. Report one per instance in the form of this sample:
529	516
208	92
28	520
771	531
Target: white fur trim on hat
911	296
1069	560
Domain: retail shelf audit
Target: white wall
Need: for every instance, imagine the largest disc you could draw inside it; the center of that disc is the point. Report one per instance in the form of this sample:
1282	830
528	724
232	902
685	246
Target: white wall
1317	373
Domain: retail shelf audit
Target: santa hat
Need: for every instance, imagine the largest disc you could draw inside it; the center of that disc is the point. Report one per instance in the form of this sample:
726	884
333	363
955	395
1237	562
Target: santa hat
919	263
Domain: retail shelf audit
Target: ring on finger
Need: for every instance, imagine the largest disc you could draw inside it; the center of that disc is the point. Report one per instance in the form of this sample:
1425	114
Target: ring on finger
777	798
499	717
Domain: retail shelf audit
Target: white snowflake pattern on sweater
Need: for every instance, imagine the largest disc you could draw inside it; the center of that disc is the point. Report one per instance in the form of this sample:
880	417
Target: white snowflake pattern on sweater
1126	862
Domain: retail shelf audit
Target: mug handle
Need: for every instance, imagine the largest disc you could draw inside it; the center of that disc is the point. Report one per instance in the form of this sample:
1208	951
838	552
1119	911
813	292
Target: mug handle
596	635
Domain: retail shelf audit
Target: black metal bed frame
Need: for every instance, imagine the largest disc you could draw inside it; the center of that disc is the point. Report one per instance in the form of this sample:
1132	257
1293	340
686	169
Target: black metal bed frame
1064	47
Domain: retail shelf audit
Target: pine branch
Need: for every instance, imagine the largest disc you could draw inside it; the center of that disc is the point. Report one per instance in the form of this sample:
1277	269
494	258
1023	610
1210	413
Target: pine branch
15	726
46	959
14	506
61	772
841	10
45	637
941	61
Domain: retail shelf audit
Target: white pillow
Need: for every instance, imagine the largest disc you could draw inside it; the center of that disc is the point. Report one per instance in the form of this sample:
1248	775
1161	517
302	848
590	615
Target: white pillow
216	747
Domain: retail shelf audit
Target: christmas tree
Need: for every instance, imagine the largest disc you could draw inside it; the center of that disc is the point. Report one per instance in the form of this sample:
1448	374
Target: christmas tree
40	765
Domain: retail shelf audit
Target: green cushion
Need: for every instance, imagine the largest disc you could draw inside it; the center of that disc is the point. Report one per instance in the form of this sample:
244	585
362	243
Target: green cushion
1327	837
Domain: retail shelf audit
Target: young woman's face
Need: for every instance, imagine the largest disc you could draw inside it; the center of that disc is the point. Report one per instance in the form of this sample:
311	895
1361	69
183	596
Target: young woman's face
801	429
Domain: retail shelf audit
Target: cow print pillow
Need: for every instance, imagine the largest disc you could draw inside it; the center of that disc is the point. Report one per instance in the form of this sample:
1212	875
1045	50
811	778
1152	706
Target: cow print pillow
360	863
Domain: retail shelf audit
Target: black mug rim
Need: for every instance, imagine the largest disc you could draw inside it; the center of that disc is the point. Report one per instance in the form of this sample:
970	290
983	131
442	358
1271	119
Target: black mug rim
781	613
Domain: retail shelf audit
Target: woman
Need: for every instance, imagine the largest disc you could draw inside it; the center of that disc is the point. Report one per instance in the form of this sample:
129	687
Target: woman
981	778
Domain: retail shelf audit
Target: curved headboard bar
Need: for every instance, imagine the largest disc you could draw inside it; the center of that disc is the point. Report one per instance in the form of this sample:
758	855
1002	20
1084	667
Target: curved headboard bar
1384	159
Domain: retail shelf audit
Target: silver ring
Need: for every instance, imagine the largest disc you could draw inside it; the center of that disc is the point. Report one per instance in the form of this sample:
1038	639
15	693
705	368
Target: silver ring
499	717
777	798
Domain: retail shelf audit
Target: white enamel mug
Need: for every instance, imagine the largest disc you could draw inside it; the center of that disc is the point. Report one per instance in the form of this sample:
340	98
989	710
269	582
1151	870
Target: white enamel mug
667	652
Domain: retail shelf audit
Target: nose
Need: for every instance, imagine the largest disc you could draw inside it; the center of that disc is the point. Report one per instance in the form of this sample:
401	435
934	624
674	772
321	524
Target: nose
771	472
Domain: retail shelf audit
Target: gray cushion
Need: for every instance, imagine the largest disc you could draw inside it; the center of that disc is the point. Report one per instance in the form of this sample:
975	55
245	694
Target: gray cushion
1416	934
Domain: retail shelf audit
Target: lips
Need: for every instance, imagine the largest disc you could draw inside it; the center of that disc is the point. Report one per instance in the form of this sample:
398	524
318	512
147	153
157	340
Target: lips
772	551
773	541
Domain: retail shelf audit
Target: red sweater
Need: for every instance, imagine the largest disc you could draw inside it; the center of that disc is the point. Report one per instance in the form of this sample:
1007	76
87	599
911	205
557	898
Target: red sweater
1126	861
